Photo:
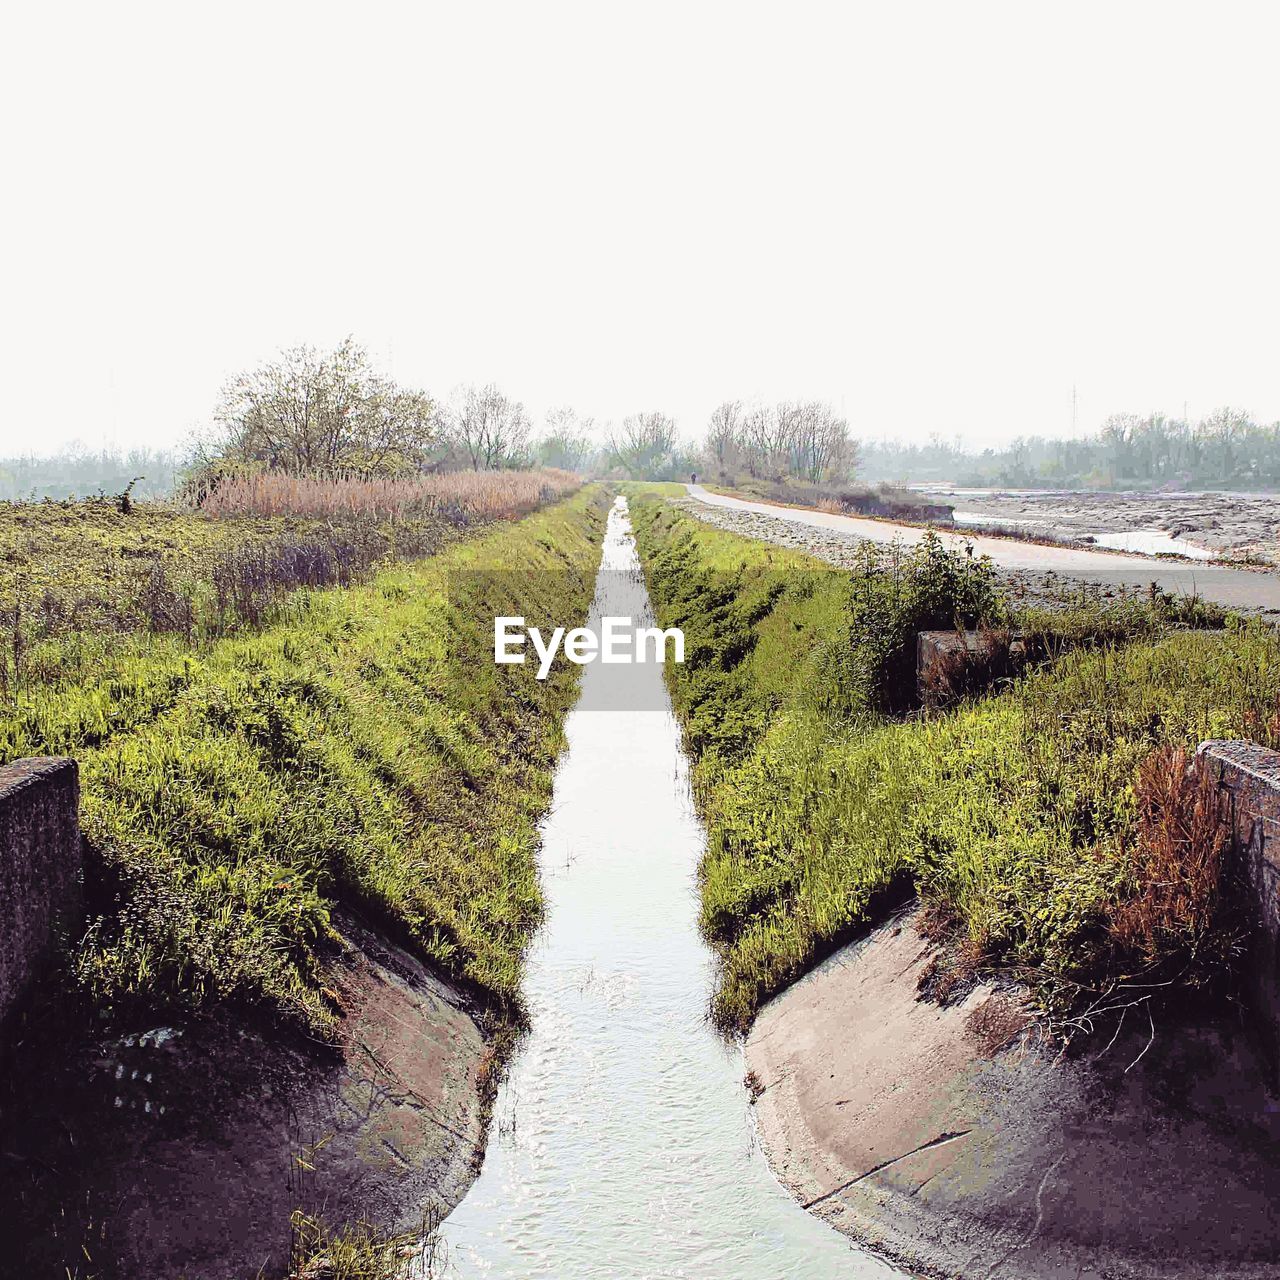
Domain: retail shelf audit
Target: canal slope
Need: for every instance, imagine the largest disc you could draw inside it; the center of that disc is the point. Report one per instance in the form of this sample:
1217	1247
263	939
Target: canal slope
623	1142
956	1137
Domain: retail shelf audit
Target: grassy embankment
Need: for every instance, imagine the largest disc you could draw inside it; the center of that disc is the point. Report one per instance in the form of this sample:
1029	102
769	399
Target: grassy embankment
1041	824
245	775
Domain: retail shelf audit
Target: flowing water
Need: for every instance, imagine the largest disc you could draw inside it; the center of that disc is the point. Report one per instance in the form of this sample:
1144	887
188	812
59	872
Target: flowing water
622	1144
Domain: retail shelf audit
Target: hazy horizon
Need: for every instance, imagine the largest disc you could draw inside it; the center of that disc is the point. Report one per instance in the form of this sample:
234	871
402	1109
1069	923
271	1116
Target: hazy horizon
178	446
940	219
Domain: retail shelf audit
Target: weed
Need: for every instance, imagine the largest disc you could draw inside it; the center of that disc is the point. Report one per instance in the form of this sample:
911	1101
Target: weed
469	496
362	1251
1176	911
363	750
1026	819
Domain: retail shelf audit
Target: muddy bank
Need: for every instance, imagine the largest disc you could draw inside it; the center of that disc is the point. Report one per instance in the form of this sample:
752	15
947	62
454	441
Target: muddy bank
955	1140
1227	524
183	1150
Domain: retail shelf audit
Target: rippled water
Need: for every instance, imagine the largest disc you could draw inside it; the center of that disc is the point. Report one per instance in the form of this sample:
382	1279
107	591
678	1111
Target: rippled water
622	1143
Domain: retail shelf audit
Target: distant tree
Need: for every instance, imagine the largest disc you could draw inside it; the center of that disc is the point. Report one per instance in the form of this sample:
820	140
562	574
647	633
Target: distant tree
1226	448
645	446
78	472
322	413
486	429
566	442
818	444
723	442
803	439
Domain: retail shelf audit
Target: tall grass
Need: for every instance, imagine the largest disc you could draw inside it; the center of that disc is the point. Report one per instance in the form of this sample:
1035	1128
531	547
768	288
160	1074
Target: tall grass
475	495
79	573
364	752
1036	820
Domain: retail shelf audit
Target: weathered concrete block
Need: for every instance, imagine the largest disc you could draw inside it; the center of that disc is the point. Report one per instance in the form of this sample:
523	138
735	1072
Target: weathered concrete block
40	862
951	663
1250	775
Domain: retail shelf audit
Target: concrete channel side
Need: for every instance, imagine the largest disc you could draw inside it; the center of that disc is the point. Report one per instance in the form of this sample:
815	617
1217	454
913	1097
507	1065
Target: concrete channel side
40	864
184	1148
956	1140
1250	777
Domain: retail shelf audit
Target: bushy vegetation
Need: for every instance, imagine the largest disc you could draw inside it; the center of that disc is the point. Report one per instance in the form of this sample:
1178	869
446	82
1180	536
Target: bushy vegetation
752	611
1031	820
360	749
77	579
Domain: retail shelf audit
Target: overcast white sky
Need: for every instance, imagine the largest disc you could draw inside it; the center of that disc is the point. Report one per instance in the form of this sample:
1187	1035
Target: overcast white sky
939	216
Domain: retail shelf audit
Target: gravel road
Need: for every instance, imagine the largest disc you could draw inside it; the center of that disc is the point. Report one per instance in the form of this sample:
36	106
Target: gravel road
1035	571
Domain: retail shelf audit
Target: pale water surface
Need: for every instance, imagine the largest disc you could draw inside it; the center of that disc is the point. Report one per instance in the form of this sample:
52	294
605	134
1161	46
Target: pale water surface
1147	542
622	1143
1151	542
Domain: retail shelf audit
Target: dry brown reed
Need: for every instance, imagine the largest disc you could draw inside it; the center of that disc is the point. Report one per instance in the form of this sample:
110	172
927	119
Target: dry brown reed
469	495
1179	863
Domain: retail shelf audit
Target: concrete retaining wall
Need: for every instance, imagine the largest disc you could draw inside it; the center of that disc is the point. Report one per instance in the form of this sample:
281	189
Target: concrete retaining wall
1250	775
39	867
950	664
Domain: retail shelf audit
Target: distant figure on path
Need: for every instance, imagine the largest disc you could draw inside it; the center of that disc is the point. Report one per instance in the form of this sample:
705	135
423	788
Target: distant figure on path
693	477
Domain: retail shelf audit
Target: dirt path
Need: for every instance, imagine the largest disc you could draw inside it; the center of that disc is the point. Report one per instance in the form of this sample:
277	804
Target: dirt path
1040	568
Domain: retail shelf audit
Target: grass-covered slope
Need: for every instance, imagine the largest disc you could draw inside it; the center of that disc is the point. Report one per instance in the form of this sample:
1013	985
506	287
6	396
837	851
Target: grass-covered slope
364	750
1017	815
77	577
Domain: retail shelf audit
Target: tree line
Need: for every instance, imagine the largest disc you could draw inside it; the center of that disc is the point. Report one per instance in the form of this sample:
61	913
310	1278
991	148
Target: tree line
1226	449
77	472
332	413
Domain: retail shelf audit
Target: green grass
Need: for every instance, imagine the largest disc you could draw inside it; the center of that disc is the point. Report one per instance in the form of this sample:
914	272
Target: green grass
659	488
1013	815
78	580
363	750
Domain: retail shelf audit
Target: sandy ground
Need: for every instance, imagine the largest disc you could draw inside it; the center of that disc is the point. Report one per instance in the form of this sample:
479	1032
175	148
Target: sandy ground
1228	524
1035	571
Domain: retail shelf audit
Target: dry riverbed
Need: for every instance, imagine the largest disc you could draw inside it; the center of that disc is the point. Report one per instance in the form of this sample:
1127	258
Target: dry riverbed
1232	525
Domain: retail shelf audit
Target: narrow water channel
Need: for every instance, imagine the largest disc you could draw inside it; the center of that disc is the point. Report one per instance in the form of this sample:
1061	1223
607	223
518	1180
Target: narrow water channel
622	1144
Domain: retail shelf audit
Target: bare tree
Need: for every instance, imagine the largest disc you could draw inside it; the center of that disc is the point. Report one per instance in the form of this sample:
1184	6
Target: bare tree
567	441
804	439
765	434
723	443
323	413
645	445
819	446
486	429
